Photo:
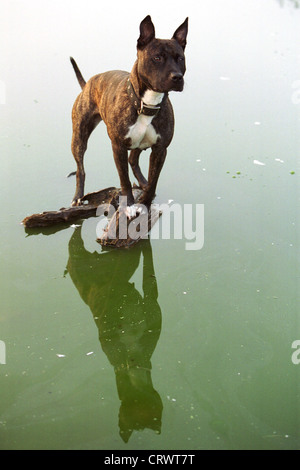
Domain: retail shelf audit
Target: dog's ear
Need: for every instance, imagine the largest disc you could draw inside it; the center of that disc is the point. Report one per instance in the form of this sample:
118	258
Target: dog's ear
181	33
147	32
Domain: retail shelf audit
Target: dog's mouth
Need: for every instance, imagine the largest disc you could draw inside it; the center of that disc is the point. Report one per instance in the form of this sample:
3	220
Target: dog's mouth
172	87
175	83
178	86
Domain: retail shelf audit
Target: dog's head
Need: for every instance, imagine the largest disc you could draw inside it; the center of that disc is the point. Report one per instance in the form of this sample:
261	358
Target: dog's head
161	62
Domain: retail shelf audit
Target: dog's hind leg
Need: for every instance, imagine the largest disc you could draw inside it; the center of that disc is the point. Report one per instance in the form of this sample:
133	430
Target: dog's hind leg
134	163
78	151
82	129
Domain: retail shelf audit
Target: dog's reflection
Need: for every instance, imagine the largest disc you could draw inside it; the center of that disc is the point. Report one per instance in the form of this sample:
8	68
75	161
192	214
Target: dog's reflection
129	324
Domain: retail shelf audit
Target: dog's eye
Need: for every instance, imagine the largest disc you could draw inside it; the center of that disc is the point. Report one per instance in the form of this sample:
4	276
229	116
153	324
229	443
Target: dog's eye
180	58
157	58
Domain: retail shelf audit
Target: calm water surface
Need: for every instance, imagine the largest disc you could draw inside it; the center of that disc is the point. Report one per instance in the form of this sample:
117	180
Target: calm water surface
155	347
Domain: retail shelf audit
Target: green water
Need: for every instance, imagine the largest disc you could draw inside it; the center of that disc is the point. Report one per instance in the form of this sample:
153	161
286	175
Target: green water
156	347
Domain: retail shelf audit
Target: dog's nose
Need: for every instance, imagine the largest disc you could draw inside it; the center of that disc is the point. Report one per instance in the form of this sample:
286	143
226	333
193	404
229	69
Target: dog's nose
176	77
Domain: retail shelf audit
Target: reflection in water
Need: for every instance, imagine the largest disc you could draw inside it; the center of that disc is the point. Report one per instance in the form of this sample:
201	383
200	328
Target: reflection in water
129	324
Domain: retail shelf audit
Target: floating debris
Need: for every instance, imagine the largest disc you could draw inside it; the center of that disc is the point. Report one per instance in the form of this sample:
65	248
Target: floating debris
257	162
171	399
61	355
279	160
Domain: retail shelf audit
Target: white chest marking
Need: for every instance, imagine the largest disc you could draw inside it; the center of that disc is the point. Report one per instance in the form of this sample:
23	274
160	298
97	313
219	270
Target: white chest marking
142	133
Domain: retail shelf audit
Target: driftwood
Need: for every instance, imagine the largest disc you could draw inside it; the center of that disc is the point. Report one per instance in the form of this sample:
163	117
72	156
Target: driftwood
120	232
69	215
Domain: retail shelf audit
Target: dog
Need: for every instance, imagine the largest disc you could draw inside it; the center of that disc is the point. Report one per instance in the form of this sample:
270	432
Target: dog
136	110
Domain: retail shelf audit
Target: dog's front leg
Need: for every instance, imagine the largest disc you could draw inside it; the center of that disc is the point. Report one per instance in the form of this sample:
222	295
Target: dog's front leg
134	163
121	161
157	160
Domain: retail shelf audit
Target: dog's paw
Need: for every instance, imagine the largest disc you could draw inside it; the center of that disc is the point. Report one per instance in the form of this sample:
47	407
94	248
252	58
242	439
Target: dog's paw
142	210
76	202
131	211
134	210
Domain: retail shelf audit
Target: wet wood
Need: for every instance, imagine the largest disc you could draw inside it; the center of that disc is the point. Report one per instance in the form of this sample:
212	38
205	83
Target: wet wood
71	214
123	233
119	232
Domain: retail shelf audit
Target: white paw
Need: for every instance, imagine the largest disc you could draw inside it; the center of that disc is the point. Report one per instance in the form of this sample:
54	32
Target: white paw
134	210
142	210
131	211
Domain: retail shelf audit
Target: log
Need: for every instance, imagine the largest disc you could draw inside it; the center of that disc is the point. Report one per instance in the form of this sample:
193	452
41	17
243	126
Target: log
119	232
69	215
124	233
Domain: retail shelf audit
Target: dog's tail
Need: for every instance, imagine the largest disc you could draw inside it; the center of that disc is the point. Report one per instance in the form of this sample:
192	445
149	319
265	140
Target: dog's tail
80	78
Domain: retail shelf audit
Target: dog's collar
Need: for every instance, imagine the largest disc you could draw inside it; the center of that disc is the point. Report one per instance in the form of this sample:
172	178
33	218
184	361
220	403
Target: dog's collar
139	105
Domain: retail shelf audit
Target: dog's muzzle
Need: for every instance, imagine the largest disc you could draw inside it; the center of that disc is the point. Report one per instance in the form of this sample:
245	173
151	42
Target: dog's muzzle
177	81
